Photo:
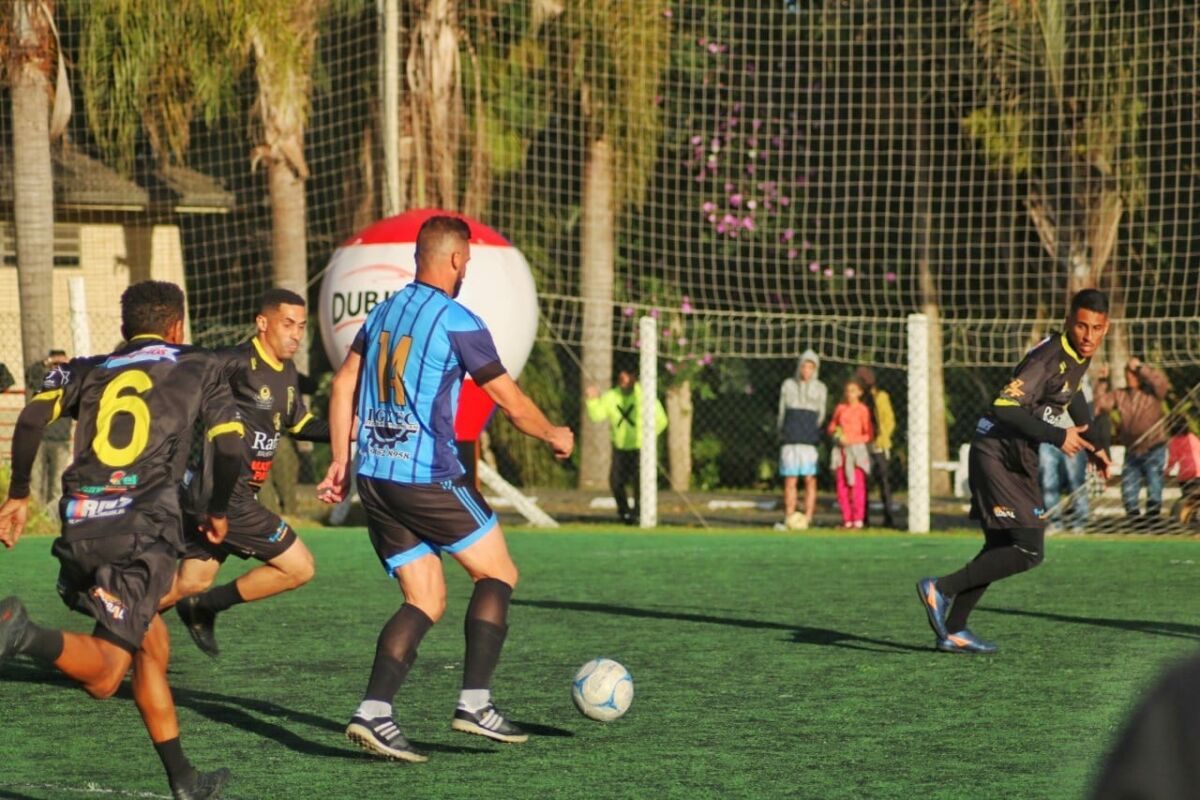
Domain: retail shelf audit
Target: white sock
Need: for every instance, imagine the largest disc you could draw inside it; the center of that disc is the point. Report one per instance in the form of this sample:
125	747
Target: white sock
373	709
474	699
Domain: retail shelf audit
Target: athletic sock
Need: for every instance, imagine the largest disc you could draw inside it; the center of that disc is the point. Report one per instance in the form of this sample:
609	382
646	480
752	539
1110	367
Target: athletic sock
474	699
485	629
178	768
222	597
964	604
988	567
373	709
44	644
396	651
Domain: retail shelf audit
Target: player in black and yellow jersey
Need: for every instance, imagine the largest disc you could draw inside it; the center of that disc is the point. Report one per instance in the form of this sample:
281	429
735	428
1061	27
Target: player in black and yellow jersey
1040	403
266	387
121	534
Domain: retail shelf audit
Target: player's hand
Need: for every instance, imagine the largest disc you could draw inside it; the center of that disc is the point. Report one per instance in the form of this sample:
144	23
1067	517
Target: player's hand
1074	442
1133	364
561	441
1102	372
13	515
215	528
336	485
591	393
1100	462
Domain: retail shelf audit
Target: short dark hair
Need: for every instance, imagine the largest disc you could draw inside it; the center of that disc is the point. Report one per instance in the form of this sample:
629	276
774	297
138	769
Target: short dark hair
274	298
54	353
1091	300
436	230
150	307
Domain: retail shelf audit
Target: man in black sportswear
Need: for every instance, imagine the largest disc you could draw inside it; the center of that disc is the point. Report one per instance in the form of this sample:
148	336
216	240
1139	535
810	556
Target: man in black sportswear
136	409
1005	494
266	387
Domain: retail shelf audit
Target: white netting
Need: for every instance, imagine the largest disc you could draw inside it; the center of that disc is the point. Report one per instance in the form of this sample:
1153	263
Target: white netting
766	176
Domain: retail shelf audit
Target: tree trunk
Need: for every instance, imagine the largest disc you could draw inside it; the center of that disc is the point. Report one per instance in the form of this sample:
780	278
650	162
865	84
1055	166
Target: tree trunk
289	246
33	185
435	87
679	434
596	292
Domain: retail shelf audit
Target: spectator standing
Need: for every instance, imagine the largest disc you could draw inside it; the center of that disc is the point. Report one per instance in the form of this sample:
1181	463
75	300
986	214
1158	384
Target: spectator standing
55	452
883	416
802	402
1183	454
1056	468
621	407
852	431
1140	408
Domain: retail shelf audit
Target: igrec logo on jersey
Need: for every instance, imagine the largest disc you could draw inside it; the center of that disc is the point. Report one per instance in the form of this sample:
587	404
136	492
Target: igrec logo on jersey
153	352
112	604
81	509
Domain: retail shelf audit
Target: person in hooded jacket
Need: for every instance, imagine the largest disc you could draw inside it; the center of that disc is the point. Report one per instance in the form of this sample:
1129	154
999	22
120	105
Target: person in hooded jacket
802	402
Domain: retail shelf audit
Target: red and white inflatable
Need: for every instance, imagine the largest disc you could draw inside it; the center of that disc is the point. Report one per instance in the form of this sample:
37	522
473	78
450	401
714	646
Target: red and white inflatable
378	261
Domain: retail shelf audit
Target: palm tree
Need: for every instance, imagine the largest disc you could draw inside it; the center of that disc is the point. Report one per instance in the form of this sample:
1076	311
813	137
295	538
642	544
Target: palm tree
1062	111
35	72
619	53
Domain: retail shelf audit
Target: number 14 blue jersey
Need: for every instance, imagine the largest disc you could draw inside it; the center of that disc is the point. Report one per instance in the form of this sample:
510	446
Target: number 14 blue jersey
416	347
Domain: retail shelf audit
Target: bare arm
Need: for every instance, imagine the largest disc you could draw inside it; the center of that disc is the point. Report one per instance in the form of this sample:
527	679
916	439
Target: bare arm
526	416
341	422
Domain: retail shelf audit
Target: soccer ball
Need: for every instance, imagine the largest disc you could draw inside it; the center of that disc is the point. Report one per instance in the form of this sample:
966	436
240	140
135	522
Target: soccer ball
602	689
796	521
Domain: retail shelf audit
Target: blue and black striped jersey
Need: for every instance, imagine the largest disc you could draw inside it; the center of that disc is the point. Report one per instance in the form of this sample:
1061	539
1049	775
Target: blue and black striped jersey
416	347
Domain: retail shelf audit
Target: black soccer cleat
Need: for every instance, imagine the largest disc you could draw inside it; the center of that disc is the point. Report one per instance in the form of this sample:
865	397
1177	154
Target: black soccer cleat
383	737
199	624
965	642
489	722
14	621
201	786
936	604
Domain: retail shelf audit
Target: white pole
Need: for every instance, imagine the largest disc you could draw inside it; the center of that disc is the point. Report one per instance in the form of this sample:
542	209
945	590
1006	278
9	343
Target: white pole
81	332
648	465
390	94
918	423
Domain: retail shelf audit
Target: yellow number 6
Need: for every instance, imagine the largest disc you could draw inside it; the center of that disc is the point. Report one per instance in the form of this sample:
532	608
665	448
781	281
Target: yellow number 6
112	402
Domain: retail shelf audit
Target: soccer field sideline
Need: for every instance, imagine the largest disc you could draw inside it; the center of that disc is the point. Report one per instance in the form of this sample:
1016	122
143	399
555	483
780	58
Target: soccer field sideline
750	681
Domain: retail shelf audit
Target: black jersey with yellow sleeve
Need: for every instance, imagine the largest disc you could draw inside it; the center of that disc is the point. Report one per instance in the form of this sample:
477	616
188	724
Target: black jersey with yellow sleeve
267	393
136	410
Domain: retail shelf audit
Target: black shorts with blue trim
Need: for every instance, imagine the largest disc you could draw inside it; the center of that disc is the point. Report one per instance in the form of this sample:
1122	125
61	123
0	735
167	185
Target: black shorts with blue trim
409	520
254	532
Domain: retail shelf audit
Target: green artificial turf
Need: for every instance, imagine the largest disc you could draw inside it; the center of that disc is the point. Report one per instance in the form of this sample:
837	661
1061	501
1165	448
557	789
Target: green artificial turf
765	665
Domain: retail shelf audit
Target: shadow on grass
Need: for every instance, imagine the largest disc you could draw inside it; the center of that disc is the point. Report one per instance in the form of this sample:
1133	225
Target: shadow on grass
235	711
801	634
1176	630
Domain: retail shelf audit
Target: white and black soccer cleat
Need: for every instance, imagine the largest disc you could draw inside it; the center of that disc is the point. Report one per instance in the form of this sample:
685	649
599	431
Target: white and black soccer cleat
201	786
489	722
383	737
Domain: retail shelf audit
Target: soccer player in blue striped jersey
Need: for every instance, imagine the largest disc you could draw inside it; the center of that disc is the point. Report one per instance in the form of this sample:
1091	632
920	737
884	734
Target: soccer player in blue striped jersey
400	383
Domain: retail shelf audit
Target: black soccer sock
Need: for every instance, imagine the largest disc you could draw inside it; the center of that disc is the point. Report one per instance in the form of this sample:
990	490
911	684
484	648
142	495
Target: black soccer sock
44	644
218	599
485	629
396	651
988	567
964	604
178	767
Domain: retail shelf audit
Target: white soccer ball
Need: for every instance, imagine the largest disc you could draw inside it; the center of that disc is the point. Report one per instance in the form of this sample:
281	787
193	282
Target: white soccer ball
602	689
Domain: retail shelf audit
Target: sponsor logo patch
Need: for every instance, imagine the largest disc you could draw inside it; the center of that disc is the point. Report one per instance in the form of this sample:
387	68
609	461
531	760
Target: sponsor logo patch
118	483
1003	512
82	507
279	532
152	352
58	377
112	604
1013	389
264	400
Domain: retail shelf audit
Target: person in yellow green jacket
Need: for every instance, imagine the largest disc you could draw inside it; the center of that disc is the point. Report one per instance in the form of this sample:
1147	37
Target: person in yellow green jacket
884	417
621	406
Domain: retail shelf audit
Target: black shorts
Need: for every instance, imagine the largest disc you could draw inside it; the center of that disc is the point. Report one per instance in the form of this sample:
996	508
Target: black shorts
254	532
1005	492
410	520
117	580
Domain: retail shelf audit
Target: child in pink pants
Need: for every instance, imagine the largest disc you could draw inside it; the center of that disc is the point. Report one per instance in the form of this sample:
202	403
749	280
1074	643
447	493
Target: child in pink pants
852	431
